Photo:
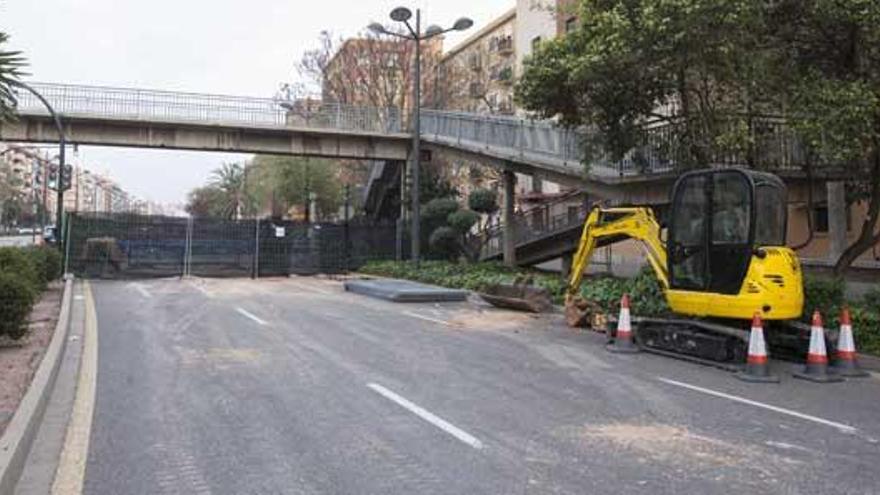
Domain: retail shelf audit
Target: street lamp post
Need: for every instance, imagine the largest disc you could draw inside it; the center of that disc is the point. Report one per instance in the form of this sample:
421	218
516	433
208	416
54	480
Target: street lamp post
59	216
403	15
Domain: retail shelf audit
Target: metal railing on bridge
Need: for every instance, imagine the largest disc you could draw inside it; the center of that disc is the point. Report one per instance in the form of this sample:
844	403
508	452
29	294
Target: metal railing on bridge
771	144
548	219
170	106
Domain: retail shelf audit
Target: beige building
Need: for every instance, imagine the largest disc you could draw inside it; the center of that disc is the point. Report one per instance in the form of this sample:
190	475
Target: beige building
535	22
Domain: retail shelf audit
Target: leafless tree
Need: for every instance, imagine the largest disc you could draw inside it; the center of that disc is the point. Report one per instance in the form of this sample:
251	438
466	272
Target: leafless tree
370	69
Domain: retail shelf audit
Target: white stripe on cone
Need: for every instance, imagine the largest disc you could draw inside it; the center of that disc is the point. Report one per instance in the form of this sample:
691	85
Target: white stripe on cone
624	325
757	346
846	345
817	353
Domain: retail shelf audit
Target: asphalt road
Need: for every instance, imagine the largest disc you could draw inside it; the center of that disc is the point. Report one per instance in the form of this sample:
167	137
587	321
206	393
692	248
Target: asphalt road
294	386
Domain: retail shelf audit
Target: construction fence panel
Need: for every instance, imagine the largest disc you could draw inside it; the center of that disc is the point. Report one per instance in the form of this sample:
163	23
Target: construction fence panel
140	246
126	246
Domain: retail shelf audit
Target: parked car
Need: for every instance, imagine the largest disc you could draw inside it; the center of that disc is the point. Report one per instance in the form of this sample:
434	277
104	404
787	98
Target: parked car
49	235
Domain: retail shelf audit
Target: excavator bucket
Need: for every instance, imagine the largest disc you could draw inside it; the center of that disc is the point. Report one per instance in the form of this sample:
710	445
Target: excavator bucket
521	296
583	313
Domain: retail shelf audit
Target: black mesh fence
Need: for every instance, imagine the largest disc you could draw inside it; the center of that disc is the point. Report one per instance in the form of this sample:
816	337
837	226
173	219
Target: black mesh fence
139	246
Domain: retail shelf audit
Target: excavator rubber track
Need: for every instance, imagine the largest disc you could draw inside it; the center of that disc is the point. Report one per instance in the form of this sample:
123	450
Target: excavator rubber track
699	341
717	344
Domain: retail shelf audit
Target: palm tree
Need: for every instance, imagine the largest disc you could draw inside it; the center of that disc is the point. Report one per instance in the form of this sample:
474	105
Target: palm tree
231	180
11	63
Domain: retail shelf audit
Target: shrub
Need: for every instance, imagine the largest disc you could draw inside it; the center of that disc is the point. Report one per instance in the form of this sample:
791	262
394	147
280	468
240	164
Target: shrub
646	297
483	201
16	262
16	299
824	294
872	299
444	242
438	210
47	261
866	329
461	221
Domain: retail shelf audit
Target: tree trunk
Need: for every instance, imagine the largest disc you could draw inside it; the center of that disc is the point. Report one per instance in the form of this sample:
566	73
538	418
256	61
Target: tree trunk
867	237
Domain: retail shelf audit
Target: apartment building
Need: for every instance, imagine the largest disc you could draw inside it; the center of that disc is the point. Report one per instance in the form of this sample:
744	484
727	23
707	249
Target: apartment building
477	75
536	21
379	73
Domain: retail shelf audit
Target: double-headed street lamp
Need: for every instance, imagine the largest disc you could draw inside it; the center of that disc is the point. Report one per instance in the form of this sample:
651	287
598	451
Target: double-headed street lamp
403	15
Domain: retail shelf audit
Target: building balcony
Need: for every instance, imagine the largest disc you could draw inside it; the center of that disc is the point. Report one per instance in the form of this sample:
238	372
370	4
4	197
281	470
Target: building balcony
502	45
503	75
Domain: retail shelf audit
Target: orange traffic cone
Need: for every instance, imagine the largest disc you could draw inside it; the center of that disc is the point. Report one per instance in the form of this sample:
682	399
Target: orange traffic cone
816	368
757	368
847	363
623	340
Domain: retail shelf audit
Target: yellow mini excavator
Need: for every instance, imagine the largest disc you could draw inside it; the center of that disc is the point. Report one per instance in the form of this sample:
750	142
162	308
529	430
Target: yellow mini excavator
723	260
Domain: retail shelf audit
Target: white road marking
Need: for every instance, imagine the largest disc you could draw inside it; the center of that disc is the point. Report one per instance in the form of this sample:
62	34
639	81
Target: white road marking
786	446
200	288
427	318
840	426
427	416
311	288
143	290
78	297
251	316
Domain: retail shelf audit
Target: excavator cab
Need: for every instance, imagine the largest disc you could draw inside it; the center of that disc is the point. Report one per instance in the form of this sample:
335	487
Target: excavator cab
724	260
724	256
726	245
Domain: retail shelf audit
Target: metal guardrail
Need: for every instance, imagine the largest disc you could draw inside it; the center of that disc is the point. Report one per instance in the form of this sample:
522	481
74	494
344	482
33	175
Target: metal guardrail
170	106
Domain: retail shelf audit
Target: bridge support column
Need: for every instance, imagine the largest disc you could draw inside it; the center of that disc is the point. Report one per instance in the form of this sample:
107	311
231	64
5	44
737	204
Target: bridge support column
567	260
836	220
507	217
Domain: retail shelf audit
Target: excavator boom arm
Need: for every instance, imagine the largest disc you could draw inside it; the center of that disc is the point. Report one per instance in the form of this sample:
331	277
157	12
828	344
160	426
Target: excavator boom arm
615	223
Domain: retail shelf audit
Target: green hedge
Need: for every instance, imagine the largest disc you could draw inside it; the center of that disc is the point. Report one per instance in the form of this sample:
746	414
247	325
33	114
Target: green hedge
606	291
16	299
647	299
24	273
47	260
18	262
827	295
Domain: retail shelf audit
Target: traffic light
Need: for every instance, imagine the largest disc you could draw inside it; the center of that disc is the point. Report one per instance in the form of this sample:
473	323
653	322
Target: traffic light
66	178
52	183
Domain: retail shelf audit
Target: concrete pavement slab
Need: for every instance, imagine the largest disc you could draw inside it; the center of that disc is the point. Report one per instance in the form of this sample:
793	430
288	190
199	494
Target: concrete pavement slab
404	291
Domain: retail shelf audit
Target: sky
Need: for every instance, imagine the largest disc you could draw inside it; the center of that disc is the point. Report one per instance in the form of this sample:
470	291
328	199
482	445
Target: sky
231	47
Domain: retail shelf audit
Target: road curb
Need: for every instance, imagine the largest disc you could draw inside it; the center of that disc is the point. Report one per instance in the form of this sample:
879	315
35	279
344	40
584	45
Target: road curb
870	363
15	444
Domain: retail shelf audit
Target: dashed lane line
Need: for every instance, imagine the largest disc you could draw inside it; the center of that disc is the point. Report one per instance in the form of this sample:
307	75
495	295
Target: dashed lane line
310	288
427	416
742	400
251	316
143	290
427	318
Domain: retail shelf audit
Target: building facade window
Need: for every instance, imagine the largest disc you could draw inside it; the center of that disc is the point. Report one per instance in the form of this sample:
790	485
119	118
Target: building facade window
535	42
820	219
570	24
